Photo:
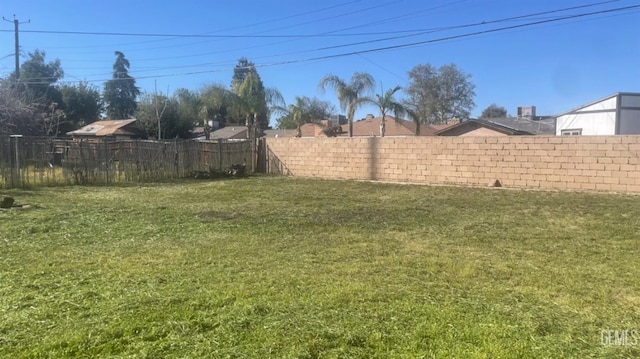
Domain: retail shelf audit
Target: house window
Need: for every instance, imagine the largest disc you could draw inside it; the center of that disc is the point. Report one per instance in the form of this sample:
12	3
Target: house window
572	132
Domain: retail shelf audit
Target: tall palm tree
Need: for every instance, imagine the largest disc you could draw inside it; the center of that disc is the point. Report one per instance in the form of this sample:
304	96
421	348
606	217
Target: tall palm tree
350	94
387	103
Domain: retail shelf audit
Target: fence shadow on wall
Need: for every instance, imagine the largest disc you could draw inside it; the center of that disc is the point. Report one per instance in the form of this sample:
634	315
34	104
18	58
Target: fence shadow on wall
32	161
268	161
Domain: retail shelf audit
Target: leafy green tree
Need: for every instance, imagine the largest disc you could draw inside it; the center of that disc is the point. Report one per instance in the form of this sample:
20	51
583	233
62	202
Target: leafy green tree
254	99
350	94
494	111
439	94
189	105
120	92
246	83
82	105
35	92
319	109
252	92
295	115
240	72
222	105
38	77
387	103
303	110
157	106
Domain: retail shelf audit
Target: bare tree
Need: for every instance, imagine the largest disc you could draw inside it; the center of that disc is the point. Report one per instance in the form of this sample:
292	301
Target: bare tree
158	111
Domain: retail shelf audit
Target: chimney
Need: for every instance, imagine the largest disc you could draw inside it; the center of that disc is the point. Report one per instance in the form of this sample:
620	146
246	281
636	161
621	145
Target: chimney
528	112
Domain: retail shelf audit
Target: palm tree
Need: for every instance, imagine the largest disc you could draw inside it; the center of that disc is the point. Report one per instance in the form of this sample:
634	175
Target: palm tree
349	93
297	112
257	100
386	103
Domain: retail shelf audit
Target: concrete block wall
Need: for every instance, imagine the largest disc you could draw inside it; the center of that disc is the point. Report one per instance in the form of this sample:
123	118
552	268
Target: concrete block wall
600	163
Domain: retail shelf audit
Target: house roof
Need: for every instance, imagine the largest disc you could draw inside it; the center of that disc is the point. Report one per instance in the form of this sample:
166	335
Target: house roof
229	132
309	130
597	101
108	128
197	131
370	126
278	133
430	130
471	125
539	126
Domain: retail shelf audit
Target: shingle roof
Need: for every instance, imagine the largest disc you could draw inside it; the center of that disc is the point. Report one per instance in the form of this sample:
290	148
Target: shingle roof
430	130
229	132
537	127
278	133
467	126
309	130
370	126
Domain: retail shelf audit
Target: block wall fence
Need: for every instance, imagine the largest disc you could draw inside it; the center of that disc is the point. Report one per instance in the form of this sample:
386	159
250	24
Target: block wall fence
584	163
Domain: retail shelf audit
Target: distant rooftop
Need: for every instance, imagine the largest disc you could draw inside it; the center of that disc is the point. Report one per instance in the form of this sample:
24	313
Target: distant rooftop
108	128
540	125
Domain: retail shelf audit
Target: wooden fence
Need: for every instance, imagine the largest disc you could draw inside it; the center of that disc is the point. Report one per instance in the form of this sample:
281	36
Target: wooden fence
30	161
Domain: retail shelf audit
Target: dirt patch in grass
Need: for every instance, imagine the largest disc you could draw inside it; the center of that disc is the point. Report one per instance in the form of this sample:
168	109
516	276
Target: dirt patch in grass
212	216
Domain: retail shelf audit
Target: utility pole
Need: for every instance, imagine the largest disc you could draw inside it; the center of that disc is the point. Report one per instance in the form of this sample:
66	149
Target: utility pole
16	25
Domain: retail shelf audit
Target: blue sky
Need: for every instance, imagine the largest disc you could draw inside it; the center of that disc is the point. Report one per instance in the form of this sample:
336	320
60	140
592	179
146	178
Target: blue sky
555	65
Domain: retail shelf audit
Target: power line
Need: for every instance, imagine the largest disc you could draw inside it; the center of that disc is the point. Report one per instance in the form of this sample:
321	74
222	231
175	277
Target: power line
453	37
421	32
412	44
331	34
406	33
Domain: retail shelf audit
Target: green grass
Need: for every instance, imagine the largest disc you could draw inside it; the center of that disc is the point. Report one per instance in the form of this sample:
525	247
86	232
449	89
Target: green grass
276	267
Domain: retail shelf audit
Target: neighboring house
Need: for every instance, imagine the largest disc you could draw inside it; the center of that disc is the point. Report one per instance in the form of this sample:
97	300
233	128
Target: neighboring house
394	127
112	129
544	125
480	128
370	126
430	130
309	130
197	132
618	114
230	133
278	133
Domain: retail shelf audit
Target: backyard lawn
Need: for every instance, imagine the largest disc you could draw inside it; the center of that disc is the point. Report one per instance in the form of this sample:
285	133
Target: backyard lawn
279	267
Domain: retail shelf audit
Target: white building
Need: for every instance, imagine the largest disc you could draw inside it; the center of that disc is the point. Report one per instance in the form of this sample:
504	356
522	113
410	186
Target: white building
617	114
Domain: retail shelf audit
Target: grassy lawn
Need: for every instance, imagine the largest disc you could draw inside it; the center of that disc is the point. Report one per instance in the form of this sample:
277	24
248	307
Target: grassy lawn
276	267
